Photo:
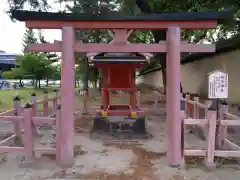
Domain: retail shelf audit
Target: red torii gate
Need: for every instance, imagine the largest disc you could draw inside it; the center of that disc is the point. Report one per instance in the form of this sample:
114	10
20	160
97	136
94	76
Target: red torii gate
68	22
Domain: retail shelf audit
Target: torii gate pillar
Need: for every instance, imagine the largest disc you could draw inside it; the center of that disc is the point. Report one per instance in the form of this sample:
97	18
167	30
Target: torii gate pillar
66	146
173	96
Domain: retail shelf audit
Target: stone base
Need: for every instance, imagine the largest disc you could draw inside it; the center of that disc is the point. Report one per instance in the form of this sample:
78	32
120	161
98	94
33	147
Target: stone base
174	165
210	165
66	166
27	164
86	113
183	164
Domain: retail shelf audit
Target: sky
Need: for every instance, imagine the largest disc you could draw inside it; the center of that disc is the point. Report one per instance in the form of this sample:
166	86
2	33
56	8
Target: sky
11	33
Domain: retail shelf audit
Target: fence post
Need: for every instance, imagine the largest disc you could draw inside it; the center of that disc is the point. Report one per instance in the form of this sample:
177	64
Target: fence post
196	107
34	105
121	97
85	105
55	96
28	134
182	117
187	105
138	96
17	125
212	120
58	135
208	104
222	134
156	101
45	103
34	113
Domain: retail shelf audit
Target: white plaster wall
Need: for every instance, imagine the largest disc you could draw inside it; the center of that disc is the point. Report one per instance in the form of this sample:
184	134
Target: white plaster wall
153	79
194	75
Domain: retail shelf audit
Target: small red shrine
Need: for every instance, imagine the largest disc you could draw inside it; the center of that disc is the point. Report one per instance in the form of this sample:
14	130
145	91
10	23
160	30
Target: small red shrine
119	75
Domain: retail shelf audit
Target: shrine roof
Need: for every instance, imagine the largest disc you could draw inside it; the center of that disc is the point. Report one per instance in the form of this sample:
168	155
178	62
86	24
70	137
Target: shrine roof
119	58
22	15
127	56
118	61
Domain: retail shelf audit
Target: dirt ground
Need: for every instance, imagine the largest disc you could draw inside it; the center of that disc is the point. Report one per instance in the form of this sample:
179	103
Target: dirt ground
100	157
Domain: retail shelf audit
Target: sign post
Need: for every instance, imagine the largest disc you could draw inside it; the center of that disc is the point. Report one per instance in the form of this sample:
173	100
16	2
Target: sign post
217	89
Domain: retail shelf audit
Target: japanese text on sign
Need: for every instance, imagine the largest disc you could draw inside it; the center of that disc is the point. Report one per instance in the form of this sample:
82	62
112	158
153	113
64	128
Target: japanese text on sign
218	85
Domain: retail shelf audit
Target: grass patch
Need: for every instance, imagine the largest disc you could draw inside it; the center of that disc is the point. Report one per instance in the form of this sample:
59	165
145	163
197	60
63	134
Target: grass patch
6	96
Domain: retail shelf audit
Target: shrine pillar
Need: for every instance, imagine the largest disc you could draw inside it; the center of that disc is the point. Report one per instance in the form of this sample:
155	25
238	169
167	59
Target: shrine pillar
173	96
105	94
67	98
132	94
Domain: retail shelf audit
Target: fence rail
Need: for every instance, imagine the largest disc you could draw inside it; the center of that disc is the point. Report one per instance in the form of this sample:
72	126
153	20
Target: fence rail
25	120
215	130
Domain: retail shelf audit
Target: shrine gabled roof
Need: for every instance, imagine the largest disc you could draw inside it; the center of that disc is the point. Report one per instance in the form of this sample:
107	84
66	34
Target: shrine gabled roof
147	56
129	58
118	61
23	15
120	56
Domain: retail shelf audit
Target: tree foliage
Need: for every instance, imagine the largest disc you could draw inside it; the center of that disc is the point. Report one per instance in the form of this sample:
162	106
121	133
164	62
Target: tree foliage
15	73
33	4
36	66
29	37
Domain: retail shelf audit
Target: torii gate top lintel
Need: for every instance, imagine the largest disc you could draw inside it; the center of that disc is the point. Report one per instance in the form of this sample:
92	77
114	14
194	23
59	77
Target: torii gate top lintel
56	20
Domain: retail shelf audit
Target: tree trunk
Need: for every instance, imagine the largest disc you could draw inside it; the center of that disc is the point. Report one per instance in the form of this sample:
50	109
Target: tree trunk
39	84
33	82
47	81
95	85
100	81
20	82
85	77
36	83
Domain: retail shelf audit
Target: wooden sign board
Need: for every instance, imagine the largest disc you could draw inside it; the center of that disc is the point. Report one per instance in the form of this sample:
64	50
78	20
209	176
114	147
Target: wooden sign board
217	85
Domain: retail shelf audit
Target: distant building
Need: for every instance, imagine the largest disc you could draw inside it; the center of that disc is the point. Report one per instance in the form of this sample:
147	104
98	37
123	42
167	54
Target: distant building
7	60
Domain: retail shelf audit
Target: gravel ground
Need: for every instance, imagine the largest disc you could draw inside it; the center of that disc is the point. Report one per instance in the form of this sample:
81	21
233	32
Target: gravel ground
101	157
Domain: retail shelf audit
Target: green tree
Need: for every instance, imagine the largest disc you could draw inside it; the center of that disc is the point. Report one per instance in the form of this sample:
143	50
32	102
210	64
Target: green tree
56	73
34	66
29	37
14	73
51	57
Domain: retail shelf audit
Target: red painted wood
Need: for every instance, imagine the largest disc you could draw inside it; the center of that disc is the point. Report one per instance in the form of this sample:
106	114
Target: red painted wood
117	75
120	112
120	89
141	48
119	106
147	25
